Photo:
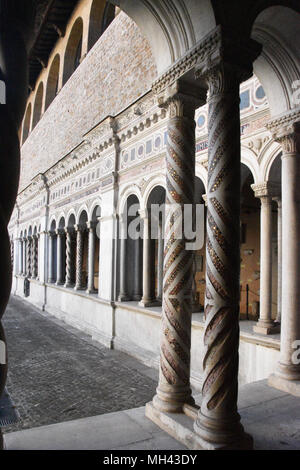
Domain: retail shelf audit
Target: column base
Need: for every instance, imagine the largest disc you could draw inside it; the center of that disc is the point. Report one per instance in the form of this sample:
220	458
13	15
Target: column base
123	298
59	283
91	291
266	328
149	303
77	288
69	285
181	427
285	385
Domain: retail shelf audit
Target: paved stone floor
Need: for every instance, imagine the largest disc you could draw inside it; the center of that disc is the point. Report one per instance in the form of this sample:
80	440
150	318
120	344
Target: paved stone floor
57	373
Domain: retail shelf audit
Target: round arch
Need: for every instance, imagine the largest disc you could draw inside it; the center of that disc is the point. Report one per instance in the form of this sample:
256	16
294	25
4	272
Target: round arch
101	15
128	191
52	83
73	50
38	103
248	158
26	123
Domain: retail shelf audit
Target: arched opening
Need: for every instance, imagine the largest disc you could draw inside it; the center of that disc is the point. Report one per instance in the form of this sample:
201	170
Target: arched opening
131	258
94	251
73	50
101	15
26	123
154	245
37	111
52	84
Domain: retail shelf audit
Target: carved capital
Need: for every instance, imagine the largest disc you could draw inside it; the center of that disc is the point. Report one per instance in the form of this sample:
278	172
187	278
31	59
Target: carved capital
80	227
91	225
286	130
60	231
226	63
267	189
182	99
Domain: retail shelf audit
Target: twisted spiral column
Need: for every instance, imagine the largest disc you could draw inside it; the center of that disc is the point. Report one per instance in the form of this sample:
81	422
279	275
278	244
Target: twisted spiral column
59	271
79	257
70	232
174	381
218	421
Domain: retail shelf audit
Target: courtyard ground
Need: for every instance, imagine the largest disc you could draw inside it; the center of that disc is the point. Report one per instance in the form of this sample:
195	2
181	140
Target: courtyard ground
58	374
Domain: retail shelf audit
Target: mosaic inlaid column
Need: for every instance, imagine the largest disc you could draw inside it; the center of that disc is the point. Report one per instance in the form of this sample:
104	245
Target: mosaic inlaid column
70	258
287	374
174	389
59	264
148	298
79	285
28	256
91	256
218	423
50	257
123	296
279	256
265	324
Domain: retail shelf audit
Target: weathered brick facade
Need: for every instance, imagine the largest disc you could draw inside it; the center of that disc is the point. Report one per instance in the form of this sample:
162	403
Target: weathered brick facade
117	70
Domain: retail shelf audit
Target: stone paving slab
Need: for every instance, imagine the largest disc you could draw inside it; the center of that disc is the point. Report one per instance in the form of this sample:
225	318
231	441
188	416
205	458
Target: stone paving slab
58	373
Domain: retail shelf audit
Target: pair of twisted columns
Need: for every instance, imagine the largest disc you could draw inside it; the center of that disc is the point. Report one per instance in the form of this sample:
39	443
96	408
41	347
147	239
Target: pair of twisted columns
218	422
286	130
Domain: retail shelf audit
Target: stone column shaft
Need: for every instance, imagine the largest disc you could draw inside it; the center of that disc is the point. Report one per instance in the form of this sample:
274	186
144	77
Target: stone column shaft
148	297
137	285
287	375
265	323
70	281
34	257
123	296
218	424
59	263
160	261
28	256
79	257
50	257
24	250
279	255
91	257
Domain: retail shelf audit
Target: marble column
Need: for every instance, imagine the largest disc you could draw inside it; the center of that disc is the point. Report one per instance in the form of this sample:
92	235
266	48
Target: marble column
20	257
28	256
34	256
265	324
148	297
24	251
286	130
137	284
59	263
91	257
160	261
51	236
123	295
80	229
218	423
174	391
70	258
279	256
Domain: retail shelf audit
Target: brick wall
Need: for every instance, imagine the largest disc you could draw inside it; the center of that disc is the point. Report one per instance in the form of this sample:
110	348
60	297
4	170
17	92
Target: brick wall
118	69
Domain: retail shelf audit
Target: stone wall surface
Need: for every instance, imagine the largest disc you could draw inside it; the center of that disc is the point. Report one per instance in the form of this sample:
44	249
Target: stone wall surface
117	70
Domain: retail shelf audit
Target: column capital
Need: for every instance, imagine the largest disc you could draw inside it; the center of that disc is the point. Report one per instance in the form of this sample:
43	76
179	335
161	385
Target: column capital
277	199
267	189
285	129
60	231
80	227
69	230
182	99
91	225
225	61
51	233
